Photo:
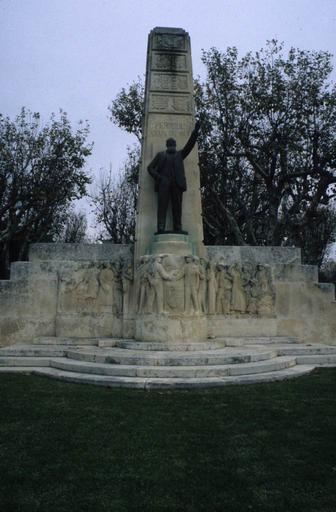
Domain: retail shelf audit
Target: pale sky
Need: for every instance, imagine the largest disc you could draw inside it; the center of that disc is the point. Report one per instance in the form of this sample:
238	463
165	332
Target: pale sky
78	54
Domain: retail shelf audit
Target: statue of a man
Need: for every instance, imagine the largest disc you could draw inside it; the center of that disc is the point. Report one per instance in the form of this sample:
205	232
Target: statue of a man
167	169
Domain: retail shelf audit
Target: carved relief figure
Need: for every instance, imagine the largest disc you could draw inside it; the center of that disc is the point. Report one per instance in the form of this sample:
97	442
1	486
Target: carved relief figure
142	283
251	287
167	170
238	298
106	287
224	290
127	280
212	288
266	290
156	276
191	274
202	298
87	286
86	289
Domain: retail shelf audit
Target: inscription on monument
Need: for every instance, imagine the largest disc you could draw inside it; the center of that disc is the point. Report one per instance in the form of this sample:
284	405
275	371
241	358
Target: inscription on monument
169	62
170	104
167	128
169	42
169	82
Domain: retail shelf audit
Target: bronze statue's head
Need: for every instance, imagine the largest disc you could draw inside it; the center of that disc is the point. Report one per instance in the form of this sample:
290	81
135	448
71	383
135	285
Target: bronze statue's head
171	145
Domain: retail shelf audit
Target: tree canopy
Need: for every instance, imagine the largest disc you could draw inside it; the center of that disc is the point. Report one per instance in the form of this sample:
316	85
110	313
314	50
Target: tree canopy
41	173
267	147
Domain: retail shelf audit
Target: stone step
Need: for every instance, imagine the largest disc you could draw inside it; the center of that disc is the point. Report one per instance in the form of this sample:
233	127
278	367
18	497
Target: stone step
164	346
111	342
131	344
305	349
191	358
237	341
164	383
173	371
71	341
317	359
33	351
25	361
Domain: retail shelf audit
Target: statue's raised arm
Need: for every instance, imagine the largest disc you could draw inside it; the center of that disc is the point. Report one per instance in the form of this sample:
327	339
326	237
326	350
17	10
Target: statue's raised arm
191	141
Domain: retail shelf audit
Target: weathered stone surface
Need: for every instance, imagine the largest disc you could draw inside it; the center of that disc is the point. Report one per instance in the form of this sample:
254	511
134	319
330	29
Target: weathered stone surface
79	252
252	254
171	243
171	329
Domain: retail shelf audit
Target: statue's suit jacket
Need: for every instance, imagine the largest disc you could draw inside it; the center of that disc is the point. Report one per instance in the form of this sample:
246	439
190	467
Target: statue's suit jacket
157	167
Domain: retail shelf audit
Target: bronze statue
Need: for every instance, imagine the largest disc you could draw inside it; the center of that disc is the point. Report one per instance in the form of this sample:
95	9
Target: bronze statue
167	169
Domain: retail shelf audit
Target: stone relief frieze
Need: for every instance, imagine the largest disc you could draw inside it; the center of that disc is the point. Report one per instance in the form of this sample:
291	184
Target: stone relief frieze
169	62
167	284
104	287
189	285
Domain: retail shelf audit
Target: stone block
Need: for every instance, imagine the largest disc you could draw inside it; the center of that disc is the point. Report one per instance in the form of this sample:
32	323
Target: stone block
171	243
79	252
88	325
255	254
221	326
294	272
172	329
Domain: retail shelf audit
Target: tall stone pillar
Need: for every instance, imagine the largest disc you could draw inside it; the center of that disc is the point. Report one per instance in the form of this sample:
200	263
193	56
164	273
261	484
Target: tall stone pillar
169	112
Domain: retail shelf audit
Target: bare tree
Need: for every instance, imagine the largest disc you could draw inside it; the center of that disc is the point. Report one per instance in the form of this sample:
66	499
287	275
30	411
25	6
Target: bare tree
115	199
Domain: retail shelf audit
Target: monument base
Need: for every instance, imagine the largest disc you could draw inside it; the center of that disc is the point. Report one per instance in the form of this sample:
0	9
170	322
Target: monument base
81	290
171	329
171	243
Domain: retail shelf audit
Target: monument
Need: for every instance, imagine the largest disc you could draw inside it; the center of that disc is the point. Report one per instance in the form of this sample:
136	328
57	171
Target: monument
168	289
169	114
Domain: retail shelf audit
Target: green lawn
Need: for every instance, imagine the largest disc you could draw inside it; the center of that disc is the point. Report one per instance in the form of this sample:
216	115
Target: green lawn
266	447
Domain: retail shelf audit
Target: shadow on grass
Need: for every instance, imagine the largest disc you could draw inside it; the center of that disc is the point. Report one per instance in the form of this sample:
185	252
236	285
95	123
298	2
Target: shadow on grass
266	447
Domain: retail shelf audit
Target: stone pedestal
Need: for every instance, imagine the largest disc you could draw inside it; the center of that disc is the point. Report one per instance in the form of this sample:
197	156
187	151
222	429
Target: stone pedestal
172	328
171	243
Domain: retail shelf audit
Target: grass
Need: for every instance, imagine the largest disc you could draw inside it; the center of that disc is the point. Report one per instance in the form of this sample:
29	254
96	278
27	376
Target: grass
266	447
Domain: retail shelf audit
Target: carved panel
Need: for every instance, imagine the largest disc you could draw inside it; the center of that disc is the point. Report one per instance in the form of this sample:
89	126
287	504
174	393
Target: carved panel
169	62
170	42
170	104
169	82
95	288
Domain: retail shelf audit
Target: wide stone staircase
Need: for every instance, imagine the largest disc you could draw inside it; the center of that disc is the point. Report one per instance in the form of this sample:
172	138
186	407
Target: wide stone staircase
128	363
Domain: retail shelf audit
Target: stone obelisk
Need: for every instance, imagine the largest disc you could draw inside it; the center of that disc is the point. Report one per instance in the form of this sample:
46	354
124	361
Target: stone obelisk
169	113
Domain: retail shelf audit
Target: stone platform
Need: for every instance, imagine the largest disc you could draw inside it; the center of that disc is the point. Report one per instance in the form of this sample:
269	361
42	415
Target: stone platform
89	290
126	363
